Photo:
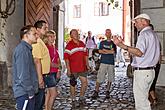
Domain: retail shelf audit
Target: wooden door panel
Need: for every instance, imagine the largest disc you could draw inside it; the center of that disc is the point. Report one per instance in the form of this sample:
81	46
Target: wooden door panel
37	10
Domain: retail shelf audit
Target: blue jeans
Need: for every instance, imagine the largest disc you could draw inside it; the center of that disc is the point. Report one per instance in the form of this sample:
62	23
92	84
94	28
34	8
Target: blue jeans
40	99
21	102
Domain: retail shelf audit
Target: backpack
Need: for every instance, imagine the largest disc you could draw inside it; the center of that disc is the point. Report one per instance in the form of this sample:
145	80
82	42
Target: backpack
92	39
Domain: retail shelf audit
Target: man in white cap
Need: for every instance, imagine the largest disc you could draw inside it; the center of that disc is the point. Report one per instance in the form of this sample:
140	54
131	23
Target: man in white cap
145	56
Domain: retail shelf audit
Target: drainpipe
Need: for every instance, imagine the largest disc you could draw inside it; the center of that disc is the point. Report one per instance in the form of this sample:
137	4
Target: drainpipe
124	20
136	12
131	13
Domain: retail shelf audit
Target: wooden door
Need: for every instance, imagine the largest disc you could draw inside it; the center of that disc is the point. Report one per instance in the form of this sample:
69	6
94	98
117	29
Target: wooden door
39	10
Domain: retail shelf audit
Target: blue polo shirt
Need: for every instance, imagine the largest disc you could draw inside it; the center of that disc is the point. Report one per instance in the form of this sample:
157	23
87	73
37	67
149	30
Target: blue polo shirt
107	58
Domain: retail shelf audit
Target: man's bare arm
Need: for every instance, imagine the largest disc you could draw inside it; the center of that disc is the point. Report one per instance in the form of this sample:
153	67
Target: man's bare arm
38	65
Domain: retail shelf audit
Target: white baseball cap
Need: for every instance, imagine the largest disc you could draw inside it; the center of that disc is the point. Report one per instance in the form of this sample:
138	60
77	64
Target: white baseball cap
145	16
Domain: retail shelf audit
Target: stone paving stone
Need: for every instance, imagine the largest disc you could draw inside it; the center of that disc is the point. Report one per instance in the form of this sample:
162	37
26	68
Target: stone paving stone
121	95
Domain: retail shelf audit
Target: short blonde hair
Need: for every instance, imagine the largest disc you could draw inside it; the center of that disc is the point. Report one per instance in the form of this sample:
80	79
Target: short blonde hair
45	40
50	32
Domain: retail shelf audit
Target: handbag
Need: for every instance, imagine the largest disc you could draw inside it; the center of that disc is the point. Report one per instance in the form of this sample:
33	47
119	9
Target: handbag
129	71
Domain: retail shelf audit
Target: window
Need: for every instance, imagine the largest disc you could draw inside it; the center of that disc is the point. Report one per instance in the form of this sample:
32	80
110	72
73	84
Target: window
77	11
101	9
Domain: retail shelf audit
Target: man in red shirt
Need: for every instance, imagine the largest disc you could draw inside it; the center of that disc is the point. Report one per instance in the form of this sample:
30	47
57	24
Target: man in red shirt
76	58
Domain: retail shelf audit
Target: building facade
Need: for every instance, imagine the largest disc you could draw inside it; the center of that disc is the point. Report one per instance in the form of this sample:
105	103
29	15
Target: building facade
26	12
9	27
94	15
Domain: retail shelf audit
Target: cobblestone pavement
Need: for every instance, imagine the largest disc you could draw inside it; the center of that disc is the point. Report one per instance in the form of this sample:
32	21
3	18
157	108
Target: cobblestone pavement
121	95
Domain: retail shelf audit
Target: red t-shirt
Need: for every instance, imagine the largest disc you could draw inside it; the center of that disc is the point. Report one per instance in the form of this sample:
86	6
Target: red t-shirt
76	55
53	52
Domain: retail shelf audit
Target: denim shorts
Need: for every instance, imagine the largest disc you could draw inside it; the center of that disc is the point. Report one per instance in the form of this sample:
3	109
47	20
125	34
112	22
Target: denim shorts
50	80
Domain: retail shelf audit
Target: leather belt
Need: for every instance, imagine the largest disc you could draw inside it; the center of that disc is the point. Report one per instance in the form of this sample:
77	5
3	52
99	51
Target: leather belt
46	74
146	68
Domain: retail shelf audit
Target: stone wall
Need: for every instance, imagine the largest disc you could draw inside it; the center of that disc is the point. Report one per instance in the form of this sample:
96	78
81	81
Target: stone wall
3	75
11	33
156	10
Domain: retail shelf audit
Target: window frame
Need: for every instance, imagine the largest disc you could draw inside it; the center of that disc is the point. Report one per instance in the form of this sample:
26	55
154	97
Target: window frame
101	9
77	11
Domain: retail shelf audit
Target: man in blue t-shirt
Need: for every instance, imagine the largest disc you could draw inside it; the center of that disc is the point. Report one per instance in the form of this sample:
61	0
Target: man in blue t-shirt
107	50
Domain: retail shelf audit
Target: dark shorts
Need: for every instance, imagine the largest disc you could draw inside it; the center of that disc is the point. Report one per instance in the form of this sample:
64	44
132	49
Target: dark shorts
83	74
74	76
50	80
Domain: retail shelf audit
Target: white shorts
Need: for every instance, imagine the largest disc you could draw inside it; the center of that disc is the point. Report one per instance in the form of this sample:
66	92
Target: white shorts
106	68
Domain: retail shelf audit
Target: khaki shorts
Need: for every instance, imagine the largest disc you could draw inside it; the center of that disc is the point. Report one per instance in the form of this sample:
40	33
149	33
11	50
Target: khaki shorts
106	68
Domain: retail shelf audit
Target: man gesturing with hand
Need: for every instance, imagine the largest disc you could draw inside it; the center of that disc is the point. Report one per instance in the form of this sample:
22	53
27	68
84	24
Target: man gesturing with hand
145	57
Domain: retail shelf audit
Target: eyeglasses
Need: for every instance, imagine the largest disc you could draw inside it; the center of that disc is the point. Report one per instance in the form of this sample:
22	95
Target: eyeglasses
25	31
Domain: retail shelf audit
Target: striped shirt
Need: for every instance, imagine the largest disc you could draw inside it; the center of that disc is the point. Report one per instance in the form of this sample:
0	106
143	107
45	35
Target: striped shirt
76	55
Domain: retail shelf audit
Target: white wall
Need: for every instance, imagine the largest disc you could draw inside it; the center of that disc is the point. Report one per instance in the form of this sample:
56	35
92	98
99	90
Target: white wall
61	30
97	24
161	80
